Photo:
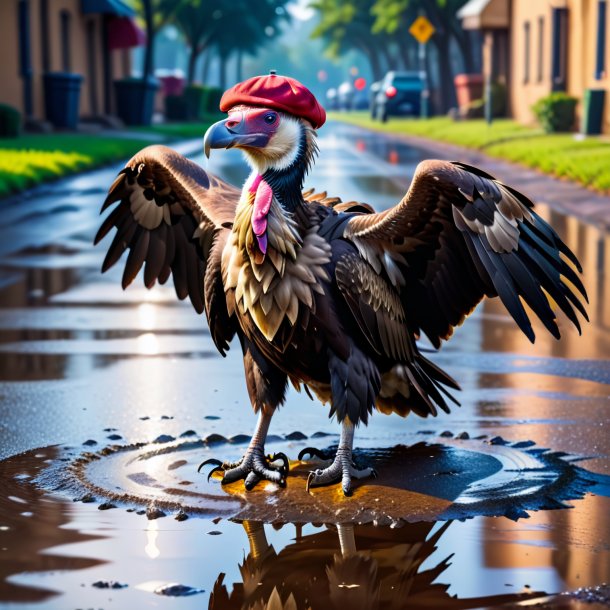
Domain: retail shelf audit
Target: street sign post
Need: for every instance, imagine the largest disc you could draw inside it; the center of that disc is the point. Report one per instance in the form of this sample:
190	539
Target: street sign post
421	29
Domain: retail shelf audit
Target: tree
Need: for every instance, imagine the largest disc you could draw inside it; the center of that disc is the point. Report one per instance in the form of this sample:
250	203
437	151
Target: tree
392	15
156	13
243	31
344	26
197	24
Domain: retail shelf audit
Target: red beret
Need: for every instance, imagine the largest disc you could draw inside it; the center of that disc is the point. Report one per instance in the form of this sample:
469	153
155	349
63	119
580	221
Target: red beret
277	92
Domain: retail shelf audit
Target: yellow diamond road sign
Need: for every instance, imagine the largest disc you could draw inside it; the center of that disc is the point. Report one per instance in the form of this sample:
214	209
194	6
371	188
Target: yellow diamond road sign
421	29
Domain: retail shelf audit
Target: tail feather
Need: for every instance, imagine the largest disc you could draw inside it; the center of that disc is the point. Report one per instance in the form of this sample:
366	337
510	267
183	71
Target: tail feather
419	386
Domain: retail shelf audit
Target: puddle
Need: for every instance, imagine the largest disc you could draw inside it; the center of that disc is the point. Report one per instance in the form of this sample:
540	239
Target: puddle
439	479
75	554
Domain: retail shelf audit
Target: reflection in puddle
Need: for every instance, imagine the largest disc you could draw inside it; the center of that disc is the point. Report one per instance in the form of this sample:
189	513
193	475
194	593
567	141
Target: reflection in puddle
347	566
28	537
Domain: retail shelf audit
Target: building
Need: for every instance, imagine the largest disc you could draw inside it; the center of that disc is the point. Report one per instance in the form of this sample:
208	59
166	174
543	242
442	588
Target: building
89	38
544	46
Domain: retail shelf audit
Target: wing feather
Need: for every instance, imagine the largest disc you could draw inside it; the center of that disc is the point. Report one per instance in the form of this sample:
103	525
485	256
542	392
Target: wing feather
463	235
168	214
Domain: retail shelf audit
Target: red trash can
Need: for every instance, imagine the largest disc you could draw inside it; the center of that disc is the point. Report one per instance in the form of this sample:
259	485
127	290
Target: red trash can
468	87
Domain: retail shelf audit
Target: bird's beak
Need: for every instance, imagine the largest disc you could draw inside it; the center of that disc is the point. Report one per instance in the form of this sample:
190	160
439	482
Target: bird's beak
233	131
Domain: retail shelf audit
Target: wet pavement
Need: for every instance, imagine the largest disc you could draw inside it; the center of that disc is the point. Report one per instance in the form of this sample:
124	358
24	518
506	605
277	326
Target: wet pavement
113	397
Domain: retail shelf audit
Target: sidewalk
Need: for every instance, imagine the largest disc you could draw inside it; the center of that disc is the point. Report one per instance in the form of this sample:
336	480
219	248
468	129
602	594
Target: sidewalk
566	196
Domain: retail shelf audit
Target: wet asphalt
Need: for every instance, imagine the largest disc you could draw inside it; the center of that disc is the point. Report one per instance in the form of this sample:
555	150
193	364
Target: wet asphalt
81	361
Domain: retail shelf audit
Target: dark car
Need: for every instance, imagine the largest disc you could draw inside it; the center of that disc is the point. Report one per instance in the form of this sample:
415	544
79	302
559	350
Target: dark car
399	95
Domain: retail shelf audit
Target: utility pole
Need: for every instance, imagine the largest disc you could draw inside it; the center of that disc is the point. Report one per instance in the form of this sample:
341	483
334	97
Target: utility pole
421	29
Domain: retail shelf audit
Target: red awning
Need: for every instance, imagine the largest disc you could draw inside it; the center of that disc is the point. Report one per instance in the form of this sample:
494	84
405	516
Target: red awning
123	33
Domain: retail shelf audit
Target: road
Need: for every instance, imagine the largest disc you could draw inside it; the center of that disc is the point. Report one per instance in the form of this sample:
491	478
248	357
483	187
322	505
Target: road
80	360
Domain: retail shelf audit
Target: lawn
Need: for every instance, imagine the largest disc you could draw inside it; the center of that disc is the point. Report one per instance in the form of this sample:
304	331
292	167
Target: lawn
32	159
586	161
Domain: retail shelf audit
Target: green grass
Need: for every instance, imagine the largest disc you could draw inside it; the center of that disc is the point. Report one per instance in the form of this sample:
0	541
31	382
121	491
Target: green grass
584	161
32	159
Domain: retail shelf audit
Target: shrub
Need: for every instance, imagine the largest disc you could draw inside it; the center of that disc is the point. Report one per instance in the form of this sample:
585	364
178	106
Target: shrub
194	97
10	121
212	100
555	112
498	99
176	108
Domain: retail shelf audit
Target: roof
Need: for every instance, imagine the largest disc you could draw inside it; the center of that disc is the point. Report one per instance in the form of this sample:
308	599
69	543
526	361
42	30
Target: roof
111	7
484	14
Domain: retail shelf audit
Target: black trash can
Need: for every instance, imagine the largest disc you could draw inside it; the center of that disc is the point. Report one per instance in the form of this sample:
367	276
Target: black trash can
135	100
61	98
593	115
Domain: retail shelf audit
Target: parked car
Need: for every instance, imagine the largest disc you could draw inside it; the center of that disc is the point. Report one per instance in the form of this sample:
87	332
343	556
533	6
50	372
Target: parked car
345	95
360	101
399	95
332	103
373	91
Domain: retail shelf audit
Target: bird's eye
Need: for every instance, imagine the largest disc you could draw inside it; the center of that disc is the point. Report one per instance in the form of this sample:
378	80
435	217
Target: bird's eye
270	118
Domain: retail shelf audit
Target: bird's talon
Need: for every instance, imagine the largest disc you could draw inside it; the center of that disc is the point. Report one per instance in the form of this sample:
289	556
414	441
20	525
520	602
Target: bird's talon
309	479
251	480
215	469
209	461
313	452
285	462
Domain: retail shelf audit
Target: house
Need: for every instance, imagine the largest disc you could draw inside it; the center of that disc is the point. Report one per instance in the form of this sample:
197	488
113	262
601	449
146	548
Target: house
59	45
551	45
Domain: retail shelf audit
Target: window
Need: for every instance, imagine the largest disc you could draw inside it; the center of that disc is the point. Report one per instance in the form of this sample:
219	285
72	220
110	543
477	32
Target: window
526	52
65	19
560	49
540	70
600	54
25	60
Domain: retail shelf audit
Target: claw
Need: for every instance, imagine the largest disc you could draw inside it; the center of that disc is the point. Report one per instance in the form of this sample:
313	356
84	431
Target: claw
210	461
313	452
280	456
251	480
309	479
215	469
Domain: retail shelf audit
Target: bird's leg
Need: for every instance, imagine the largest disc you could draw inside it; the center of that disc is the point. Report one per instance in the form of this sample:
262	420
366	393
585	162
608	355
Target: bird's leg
342	468
253	466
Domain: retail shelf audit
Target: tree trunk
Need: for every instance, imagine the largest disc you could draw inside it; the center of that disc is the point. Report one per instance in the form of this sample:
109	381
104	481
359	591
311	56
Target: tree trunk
465	45
406	56
205	67
239	67
373	58
387	59
190	77
149	59
447	90
222	69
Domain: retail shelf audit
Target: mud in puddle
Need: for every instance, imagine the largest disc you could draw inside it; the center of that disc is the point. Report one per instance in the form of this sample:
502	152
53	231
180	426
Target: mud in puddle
130	525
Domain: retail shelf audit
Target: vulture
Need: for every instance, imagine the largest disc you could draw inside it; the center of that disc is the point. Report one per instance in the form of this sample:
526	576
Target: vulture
326	295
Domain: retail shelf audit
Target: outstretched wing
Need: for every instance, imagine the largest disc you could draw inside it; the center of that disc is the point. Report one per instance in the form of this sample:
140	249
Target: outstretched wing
458	235
173	217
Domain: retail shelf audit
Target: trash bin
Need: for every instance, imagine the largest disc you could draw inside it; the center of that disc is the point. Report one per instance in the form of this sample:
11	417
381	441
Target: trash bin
593	111
468	88
135	100
61	98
